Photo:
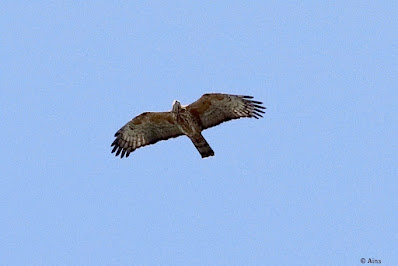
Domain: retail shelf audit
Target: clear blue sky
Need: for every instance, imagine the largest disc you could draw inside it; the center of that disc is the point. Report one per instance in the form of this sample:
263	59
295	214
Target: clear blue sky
314	182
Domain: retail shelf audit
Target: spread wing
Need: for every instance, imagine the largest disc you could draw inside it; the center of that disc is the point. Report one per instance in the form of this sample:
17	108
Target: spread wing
215	108
147	128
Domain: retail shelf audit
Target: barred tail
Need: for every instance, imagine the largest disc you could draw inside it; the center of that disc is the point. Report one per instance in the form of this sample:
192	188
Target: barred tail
202	146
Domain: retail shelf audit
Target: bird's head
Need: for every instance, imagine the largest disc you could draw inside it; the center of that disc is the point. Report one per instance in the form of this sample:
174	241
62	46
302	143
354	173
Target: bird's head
176	106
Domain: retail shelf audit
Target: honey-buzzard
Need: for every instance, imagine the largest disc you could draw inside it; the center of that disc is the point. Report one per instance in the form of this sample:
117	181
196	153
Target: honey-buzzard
210	110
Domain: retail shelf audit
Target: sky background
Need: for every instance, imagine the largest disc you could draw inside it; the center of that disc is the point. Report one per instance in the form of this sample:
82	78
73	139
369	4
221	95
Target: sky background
313	182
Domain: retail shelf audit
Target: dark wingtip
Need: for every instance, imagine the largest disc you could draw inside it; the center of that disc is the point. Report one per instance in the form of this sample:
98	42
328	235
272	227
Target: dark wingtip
114	143
118	150
258	114
114	149
259	106
254	107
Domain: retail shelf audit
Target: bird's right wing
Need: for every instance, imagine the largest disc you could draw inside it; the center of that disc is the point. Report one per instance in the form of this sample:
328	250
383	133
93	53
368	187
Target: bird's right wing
145	129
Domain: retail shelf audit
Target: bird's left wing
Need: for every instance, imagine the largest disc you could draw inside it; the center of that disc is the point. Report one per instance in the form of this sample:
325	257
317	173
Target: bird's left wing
145	129
215	108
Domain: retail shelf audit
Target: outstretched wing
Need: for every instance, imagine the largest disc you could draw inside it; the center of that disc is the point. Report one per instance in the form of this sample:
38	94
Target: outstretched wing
214	108
147	128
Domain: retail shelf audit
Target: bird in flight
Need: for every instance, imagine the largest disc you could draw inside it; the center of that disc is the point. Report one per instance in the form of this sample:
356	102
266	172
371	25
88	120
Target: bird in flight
208	111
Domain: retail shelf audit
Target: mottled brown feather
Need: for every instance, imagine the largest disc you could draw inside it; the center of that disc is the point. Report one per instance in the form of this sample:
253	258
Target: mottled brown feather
145	129
215	108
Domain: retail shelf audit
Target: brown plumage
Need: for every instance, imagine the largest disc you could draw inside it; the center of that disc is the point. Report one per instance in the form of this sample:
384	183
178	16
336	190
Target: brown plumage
210	110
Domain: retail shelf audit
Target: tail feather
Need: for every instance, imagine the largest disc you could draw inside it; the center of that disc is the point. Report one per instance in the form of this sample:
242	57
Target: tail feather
202	146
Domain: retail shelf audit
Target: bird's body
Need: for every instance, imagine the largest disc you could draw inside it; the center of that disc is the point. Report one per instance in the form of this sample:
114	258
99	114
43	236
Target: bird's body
210	110
191	126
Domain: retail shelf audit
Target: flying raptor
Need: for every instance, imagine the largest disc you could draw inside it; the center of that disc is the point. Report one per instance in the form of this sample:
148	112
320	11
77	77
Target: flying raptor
208	111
